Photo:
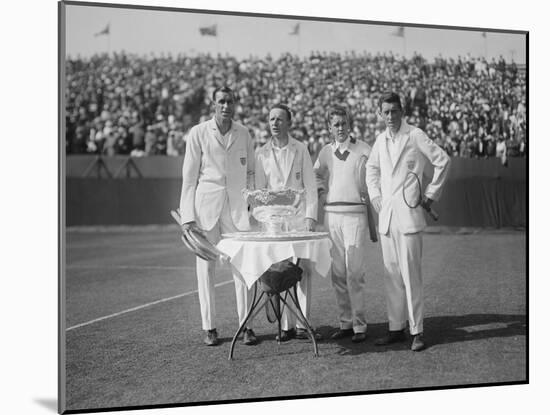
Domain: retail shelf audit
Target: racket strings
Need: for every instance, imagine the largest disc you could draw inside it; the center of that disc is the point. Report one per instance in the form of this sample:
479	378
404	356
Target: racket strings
412	190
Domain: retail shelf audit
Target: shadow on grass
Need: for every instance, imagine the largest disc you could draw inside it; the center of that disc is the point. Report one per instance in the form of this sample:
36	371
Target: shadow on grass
259	337
286	348
438	331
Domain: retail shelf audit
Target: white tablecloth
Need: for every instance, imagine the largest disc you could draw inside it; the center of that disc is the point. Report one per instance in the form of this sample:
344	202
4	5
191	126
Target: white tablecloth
253	258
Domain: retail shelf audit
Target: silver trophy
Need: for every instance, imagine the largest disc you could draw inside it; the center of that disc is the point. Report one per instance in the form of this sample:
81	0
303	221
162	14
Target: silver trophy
274	209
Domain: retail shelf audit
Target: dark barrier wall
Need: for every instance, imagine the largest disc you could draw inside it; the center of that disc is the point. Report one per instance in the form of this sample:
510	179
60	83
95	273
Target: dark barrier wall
477	193
121	201
121	166
484	193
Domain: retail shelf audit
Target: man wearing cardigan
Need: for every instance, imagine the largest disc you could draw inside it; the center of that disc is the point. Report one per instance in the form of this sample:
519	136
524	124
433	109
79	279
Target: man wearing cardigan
340	171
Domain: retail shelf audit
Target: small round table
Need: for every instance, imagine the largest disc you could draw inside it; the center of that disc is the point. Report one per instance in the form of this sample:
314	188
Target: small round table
252	254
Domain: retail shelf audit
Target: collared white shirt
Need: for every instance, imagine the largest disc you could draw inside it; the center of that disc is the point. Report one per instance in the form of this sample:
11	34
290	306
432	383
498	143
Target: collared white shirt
282	154
393	144
342	147
225	137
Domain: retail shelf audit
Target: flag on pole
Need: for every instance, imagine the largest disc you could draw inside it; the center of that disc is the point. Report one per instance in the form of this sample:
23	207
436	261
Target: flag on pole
295	30
399	32
105	31
209	30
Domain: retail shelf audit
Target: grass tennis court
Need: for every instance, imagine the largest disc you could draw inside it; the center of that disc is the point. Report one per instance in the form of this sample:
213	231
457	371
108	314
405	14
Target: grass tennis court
134	335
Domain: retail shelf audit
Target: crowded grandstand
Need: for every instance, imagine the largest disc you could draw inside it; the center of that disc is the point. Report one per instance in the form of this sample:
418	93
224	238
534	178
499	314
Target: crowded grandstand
136	105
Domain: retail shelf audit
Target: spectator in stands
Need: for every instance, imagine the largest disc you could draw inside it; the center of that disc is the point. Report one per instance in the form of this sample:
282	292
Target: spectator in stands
150	140
522	147
110	141
137	132
490	147
463	148
479	148
501	152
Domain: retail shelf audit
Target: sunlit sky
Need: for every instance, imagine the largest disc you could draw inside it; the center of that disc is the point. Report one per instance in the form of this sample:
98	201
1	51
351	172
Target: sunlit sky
155	32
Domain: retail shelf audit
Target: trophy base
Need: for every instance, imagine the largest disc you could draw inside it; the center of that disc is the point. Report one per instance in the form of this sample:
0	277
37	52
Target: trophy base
281	237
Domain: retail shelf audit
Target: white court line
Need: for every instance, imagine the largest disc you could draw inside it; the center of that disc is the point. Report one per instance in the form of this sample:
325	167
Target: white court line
87	323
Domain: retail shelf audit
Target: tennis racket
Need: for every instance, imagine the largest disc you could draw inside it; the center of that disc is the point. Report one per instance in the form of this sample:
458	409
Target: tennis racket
412	194
197	242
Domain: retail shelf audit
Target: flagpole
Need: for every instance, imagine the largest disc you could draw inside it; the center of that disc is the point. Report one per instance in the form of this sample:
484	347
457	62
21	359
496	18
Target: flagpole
400	32
217	39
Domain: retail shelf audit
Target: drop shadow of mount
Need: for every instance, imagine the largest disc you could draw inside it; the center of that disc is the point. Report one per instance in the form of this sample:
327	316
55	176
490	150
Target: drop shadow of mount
48	403
442	330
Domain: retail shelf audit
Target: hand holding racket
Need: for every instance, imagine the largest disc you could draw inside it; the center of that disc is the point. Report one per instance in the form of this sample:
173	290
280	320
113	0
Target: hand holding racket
412	195
196	241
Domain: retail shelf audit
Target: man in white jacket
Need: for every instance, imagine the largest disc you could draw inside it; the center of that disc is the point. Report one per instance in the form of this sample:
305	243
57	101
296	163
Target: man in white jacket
401	149
218	165
284	162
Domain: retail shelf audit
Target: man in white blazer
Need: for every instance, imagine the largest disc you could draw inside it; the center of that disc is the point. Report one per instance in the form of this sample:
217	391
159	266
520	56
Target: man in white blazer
399	149
218	165
284	162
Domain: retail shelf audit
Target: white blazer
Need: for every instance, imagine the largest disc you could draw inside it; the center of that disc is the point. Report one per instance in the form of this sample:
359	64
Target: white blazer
386	179
211	171
299	176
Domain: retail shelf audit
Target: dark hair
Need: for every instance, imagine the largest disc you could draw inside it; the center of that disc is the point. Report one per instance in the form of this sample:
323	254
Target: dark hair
390	98
223	88
284	108
338	110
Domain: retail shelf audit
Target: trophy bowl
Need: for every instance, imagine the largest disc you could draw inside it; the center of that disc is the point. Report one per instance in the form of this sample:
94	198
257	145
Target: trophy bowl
273	208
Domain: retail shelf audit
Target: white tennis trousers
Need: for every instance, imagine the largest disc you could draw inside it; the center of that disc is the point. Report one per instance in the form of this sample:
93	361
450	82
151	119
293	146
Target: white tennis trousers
348	232
403	280
206	272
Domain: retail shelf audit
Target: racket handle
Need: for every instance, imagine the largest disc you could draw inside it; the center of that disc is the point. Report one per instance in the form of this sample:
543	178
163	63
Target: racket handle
176	216
433	214
372	226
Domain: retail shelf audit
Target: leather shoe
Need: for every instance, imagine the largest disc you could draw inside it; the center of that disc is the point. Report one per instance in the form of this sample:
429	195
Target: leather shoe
341	334
393	336
286	335
302	334
249	338
359	337
418	343
211	338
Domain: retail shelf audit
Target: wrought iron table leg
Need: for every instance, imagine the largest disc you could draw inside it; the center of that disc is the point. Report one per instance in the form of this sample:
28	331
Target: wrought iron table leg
278	313
251	310
301	318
